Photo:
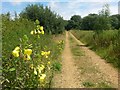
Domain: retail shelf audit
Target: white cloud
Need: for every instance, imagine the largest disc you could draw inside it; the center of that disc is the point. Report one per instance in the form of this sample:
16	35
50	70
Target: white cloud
60	0
80	8
67	8
18	2
114	9
64	9
29	0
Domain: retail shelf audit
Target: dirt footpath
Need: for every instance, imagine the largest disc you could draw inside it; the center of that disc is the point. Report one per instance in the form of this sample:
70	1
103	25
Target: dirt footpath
76	73
109	72
69	75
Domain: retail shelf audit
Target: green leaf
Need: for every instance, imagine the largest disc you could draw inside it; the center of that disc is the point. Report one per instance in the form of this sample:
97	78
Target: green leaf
0	71
19	78
12	69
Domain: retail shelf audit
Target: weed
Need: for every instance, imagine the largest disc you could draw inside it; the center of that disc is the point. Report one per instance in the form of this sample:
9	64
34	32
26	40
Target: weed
88	84
57	66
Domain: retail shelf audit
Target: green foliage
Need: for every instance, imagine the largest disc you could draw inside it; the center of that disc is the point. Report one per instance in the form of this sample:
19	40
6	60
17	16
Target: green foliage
88	22
106	44
104	85
88	84
102	23
52	22
115	21
17	72
57	66
75	48
74	23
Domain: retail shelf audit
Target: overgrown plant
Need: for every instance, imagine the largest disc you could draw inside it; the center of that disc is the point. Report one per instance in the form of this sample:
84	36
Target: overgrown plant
29	64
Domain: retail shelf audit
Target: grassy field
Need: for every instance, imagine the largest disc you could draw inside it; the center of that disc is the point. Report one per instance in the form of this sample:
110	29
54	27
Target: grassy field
29	56
106	44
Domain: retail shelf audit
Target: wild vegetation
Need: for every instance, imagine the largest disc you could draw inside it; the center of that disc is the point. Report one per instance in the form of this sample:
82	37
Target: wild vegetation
29	54
106	44
100	31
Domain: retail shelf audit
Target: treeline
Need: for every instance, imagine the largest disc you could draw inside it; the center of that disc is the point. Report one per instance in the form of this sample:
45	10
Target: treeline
101	21
52	22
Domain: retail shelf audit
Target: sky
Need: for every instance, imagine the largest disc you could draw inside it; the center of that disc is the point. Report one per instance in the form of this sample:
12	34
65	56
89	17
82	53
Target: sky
65	8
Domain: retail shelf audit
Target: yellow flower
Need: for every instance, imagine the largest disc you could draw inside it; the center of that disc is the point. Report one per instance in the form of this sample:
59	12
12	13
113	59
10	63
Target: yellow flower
42	67
42	77
17	48
35	32
48	52
30	45
46	56
39	32
31	66
49	62
39	71
15	53
42	53
27	51
35	71
27	57
32	32
41	28
42	32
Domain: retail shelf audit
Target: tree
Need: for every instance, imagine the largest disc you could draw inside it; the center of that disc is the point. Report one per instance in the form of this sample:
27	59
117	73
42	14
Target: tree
76	19
52	22
74	22
8	15
114	22
88	22
105	10
69	25
16	15
103	21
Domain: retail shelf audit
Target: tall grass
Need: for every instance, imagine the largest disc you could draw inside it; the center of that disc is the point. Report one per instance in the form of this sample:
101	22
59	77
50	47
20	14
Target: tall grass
18	73
106	43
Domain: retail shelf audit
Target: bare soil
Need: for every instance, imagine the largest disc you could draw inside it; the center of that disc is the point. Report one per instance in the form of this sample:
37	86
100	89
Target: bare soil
83	70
